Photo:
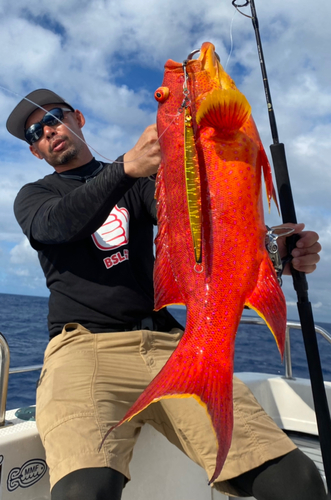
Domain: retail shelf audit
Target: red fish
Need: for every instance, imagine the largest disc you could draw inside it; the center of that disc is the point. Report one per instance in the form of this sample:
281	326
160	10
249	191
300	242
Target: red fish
210	248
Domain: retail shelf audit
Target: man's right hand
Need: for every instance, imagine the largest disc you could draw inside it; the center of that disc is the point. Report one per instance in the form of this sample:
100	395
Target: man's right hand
145	157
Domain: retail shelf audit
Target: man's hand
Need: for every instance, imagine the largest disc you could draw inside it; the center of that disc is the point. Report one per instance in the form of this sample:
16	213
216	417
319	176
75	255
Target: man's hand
145	157
305	254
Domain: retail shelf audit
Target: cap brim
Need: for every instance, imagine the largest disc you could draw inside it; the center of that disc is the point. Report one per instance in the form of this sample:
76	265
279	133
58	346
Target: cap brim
17	118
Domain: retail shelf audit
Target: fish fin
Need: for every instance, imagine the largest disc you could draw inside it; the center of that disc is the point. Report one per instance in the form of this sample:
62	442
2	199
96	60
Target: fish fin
267	173
225	110
268	300
166	291
189	374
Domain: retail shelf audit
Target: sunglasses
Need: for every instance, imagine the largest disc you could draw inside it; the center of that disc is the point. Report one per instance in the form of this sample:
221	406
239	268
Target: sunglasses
51	118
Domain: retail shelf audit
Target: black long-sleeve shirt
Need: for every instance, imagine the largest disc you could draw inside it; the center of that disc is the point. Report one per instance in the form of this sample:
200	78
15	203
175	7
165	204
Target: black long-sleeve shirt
95	245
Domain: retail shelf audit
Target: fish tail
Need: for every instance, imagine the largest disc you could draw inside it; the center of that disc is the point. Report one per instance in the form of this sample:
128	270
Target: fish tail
189	374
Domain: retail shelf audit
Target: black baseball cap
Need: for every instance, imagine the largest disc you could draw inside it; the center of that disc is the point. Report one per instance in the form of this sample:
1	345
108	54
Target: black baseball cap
17	118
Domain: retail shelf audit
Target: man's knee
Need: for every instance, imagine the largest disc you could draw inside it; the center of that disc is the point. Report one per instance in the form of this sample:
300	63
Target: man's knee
293	476
90	484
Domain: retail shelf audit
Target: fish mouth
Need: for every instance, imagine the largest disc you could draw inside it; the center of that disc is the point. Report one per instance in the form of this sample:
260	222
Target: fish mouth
210	61
207	61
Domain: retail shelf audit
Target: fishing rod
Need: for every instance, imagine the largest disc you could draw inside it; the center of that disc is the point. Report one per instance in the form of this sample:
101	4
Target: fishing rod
299	278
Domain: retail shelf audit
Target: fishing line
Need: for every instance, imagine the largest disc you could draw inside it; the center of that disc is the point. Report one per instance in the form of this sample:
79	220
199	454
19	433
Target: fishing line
231	41
82	140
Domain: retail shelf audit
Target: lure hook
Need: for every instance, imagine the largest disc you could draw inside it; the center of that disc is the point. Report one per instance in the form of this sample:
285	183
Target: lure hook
191	54
234	3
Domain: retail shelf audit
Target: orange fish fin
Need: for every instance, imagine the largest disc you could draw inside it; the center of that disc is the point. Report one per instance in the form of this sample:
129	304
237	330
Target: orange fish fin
166	290
268	300
225	110
267	173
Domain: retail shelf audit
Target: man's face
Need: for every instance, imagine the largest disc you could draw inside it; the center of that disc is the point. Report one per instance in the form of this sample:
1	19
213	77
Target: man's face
58	145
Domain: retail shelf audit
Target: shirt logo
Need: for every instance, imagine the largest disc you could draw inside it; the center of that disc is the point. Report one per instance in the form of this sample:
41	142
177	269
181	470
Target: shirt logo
114	232
116	258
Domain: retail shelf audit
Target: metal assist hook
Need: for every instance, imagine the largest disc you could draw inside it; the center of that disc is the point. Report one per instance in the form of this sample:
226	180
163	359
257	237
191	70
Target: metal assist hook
186	92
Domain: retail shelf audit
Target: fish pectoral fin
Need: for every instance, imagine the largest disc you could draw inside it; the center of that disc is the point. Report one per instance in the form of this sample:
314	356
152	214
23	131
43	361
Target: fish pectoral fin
268	300
166	290
225	110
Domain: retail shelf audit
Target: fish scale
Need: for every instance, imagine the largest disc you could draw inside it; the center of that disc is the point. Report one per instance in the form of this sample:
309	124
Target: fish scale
235	268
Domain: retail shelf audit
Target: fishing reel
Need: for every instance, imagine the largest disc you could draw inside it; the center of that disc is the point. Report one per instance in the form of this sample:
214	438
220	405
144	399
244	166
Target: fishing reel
273	233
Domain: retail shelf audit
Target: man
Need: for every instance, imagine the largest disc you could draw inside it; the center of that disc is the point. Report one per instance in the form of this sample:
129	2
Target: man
91	224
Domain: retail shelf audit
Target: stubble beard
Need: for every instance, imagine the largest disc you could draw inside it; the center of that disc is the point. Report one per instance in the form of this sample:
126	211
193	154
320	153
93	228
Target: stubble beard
67	156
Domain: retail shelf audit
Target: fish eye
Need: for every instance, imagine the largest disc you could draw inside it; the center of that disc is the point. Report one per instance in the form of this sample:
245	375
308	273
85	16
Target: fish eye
161	94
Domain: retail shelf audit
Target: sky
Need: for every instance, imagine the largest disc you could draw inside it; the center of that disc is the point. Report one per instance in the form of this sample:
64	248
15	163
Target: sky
106	58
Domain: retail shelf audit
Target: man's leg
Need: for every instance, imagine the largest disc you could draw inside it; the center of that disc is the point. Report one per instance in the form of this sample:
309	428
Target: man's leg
88	383
90	484
291	477
263	462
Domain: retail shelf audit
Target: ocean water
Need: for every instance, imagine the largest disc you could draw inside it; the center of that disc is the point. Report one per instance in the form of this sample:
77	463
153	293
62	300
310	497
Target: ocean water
23	322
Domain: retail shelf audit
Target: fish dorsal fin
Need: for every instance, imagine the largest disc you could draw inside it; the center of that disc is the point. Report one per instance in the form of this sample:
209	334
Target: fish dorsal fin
225	110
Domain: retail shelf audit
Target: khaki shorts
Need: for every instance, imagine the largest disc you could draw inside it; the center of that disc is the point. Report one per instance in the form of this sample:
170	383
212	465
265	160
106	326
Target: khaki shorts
89	381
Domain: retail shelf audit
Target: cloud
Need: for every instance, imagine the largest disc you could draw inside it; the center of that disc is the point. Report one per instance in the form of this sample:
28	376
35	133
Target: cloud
20	271
23	253
24	264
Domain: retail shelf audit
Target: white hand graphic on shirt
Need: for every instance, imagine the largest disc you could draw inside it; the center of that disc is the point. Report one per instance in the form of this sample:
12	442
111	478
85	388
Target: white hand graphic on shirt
114	232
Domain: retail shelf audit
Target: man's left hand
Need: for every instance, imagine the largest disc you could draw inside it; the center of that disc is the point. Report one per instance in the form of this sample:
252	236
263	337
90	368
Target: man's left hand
305	254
